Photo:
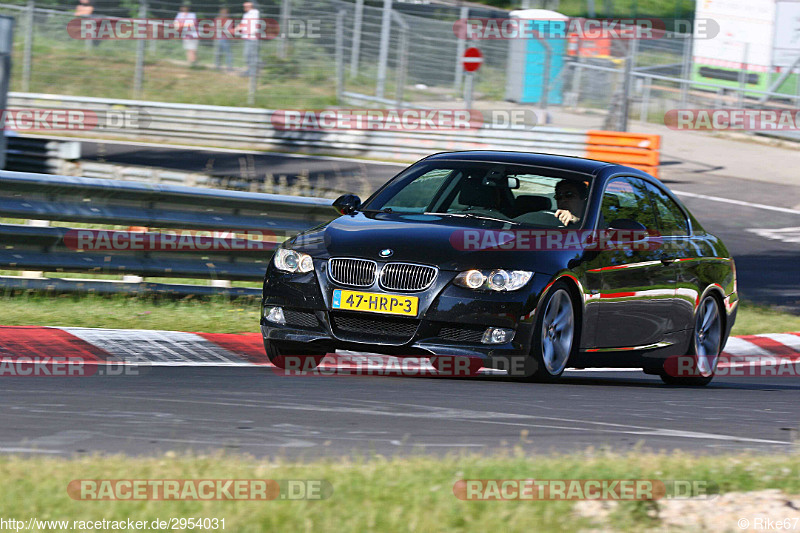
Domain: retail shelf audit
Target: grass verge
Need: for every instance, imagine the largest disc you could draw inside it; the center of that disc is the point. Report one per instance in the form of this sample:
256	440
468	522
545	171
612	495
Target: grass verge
379	494
220	315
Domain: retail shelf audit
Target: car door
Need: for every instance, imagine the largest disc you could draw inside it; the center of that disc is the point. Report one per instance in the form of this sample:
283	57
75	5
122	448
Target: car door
637	290
678	253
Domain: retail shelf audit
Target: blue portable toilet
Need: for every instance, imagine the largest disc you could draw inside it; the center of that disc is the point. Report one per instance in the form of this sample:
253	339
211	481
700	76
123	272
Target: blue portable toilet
525	71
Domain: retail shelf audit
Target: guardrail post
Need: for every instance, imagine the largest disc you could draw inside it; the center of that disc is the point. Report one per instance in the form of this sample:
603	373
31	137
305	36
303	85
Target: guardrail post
355	48
35	273
138	75
27	57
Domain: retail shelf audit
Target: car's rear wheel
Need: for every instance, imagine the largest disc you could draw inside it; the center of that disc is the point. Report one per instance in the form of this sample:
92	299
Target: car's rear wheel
555	338
292	356
705	347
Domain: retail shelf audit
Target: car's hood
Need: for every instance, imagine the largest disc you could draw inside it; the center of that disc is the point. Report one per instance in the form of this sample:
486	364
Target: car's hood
427	239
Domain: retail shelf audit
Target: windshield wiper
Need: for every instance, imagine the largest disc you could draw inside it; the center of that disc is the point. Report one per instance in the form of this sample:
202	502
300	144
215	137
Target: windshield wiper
384	210
473	215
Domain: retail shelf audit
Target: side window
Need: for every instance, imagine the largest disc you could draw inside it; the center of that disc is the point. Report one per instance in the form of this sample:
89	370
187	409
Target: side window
670	216
627	198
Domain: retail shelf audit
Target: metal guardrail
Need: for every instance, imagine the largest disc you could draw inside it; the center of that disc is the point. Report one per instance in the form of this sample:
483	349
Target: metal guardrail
253	128
110	202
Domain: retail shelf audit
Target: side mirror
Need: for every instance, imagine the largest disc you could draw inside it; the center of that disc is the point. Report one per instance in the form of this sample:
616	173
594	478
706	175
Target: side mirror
513	182
347	204
626	224
631	228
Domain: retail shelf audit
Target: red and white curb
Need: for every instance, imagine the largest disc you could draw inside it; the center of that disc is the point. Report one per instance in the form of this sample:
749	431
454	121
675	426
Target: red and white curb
176	348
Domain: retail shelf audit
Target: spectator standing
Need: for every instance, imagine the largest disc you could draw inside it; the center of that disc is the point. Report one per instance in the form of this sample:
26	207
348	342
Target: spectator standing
249	31
84	8
186	23
224	26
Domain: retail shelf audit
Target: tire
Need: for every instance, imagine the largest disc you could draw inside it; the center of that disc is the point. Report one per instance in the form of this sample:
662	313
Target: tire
705	347
292	355
555	335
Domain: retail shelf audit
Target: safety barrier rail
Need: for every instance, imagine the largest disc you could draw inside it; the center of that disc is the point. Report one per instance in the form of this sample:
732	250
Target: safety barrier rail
230	234
254	128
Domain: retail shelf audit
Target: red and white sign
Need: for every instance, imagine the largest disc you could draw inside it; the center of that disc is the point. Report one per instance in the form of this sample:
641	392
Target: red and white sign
472	59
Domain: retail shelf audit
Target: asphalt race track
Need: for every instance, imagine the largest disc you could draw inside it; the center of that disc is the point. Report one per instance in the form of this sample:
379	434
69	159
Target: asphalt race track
254	410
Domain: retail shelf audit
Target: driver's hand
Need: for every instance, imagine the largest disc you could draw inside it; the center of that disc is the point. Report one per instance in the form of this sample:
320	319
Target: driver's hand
566	217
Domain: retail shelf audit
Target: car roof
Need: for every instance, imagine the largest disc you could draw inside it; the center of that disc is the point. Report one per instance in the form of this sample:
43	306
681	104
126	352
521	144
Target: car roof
574	164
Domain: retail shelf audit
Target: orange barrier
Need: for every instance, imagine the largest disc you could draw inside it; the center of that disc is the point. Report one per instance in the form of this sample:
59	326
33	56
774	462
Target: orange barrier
638	150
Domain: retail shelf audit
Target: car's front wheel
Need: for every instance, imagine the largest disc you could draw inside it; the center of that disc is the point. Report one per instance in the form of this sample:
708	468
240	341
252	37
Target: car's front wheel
289	356
705	347
555	338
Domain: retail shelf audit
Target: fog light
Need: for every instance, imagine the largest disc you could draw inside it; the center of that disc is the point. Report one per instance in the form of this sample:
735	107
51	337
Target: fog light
274	314
497	336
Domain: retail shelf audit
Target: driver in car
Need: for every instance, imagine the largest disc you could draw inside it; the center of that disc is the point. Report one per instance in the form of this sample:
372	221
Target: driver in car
571	200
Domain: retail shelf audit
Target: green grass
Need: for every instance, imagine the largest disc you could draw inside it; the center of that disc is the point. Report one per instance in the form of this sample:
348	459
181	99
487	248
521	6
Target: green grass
753	319
225	316
216	315
378	494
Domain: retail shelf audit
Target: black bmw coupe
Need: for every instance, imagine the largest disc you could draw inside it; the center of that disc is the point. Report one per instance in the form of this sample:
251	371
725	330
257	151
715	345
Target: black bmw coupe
531	263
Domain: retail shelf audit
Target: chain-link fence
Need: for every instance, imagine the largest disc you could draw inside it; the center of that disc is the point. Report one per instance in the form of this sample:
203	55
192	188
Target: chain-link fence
341	52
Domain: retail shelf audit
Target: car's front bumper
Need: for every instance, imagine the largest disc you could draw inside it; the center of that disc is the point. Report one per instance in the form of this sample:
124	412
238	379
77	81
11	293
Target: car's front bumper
450	320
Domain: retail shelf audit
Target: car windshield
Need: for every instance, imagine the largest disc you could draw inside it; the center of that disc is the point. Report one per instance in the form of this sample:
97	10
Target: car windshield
509	193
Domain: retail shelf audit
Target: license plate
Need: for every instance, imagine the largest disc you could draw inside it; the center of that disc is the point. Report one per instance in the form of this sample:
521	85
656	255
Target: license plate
390	304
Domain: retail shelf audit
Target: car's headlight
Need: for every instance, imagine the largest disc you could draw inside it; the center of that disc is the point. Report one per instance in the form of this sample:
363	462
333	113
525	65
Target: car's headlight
293	261
496	280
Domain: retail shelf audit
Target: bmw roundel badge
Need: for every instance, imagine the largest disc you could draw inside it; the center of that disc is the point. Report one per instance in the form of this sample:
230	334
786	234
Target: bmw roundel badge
386	252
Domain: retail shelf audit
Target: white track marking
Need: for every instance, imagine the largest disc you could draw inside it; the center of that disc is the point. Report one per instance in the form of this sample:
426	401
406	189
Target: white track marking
179	349
27	450
790	235
158	348
737	346
486	417
737	202
787	339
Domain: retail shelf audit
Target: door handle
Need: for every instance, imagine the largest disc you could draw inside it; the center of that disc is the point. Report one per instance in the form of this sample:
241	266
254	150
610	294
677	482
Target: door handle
667	260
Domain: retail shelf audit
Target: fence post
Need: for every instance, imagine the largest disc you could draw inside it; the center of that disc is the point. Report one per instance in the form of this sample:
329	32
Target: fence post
286	12
254	62
643	113
355	49
383	53
626	84
138	74
576	76
743	75
461	45
27	58
402	58
340	55
686	69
